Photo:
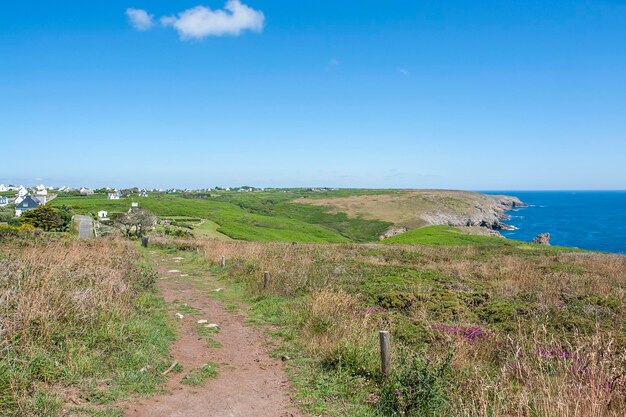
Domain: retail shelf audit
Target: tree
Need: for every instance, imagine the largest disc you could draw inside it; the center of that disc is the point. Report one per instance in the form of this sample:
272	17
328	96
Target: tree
66	214
43	217
136	222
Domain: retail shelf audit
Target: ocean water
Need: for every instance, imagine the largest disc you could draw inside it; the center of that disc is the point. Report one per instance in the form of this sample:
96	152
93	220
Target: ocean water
584	219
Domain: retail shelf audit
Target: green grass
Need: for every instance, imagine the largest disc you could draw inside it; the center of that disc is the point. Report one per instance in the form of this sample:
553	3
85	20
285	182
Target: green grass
261	217
446	236
199	376
109	357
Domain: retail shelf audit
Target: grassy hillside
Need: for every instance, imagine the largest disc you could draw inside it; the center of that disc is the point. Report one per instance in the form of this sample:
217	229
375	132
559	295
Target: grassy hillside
480	326
262	217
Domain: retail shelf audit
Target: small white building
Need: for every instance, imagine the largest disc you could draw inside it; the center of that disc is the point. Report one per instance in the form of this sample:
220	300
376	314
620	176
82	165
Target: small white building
3	188
103	214
86	191
4	201
114	196
133	204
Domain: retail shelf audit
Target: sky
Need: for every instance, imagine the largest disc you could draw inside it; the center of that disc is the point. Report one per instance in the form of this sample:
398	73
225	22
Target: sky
505	95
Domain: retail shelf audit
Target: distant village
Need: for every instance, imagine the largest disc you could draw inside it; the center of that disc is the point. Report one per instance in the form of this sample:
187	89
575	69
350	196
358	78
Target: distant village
29	198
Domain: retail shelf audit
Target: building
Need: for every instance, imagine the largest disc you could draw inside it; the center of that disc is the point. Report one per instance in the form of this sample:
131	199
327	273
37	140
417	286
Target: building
86	191
27	203
133	204
4	201
42	194
3	188
102	214
114	196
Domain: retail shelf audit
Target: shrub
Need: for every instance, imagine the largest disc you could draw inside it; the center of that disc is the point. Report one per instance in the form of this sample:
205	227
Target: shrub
415	387
399	300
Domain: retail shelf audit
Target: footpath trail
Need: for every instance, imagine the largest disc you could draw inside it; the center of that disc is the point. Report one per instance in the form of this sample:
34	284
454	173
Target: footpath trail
85	227
249	383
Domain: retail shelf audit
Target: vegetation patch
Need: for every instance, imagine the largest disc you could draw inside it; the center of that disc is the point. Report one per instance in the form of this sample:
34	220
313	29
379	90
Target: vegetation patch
81	322
474	327
198	376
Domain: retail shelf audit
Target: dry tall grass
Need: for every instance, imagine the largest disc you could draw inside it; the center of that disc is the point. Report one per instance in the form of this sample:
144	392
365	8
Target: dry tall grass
64	307
51	287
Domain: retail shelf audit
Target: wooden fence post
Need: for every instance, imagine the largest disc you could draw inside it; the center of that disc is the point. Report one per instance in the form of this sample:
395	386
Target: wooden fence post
144	241
223	262
385	352
266	279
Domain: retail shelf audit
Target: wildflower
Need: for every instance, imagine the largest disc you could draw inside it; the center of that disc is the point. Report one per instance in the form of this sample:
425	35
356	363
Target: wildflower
398	393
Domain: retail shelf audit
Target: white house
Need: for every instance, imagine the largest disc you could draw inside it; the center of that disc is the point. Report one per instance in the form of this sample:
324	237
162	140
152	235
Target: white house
3	188
133	204
86	191
114	196
4	201
42	194
102	214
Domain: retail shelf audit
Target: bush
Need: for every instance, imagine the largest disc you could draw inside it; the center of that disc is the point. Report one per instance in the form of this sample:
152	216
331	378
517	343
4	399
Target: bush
48	218
6	213
178	232
415	387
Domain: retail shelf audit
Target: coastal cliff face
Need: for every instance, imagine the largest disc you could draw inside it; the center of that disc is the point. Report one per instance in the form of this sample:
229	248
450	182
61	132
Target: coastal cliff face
489	212
411	209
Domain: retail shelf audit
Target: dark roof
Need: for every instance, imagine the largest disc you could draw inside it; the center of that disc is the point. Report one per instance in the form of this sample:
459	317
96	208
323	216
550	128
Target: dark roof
27	203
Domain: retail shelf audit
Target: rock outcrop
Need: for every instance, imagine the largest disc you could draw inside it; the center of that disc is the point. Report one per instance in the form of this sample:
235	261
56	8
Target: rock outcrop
392	232
542	239
488	213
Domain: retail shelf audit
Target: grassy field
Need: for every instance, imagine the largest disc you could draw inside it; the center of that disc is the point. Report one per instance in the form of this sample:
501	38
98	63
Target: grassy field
480	327
80	327
265	217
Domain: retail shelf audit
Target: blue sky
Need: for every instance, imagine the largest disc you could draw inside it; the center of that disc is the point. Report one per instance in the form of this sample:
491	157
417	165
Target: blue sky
425	94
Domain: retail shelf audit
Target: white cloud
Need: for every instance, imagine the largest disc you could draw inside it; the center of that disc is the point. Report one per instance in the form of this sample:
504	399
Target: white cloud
140	19
200	22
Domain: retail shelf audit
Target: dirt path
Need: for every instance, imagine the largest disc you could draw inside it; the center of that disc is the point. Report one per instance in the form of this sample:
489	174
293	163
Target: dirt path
249	384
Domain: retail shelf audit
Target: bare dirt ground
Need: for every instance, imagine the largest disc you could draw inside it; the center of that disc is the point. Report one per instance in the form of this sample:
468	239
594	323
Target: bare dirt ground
250	383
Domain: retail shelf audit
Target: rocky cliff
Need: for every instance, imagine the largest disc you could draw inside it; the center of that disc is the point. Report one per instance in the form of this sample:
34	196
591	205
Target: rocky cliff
489	213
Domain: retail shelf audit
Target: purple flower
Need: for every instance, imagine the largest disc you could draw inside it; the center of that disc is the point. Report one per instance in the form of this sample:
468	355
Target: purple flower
556	353
398	393
429	359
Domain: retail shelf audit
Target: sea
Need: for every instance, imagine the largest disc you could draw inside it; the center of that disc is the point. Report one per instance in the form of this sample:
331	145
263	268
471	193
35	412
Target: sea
594	220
